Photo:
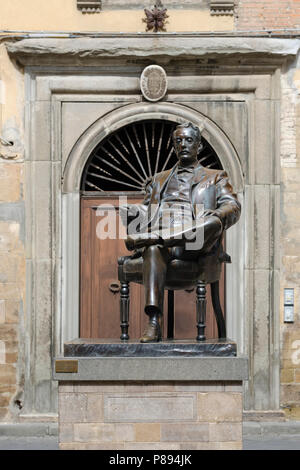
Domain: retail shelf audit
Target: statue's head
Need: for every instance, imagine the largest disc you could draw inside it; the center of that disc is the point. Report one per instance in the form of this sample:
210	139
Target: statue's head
187	142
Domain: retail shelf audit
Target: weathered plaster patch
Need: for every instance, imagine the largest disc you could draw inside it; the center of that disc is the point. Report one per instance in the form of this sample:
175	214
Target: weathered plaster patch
2	311
288	120
35	15
296	79
12	88
2	92
11	133
2	352
14	212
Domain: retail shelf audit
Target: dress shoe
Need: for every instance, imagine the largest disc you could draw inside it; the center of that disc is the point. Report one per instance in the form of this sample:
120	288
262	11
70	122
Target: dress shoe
152	333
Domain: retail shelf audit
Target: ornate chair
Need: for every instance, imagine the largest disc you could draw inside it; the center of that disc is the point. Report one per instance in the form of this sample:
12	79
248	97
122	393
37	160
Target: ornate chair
181	275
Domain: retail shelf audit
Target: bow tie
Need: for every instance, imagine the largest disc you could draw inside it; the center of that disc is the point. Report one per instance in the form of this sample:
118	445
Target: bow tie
188	169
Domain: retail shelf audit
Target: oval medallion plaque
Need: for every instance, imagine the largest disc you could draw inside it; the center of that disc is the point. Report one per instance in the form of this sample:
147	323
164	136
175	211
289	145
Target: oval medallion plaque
154	83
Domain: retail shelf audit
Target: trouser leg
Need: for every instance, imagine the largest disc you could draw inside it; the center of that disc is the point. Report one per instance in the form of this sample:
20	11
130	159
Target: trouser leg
154	277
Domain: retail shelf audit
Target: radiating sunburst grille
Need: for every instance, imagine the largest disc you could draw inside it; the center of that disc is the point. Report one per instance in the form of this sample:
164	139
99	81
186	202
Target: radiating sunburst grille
126	159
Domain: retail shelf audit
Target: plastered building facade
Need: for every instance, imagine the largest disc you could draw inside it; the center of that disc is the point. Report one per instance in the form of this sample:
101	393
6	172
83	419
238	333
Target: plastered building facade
239	73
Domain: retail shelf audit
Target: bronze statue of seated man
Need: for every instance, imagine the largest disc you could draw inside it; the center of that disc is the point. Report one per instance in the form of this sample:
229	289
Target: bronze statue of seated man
183	216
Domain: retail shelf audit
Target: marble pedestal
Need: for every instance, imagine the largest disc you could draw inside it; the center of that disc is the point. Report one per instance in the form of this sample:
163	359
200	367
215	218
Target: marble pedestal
156	403
133	348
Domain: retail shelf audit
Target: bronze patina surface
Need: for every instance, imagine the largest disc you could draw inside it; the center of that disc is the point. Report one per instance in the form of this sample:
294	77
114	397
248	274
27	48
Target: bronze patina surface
172	201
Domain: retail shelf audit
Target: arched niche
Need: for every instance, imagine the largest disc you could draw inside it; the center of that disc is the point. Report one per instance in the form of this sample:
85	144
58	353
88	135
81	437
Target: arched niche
72	175
142	111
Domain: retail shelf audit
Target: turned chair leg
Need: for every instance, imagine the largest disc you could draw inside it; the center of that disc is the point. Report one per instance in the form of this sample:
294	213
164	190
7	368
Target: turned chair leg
201	310
217	309
124	310
170	334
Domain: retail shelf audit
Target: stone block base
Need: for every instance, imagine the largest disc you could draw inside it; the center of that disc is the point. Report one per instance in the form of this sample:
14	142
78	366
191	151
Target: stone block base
172	415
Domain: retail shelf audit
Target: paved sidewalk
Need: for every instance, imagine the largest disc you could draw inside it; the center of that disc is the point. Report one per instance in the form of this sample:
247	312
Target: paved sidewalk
284	435
276	443
271	435
51	443
29	443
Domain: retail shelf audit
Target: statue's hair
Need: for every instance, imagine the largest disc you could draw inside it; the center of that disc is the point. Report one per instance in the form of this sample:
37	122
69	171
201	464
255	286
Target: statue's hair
189	124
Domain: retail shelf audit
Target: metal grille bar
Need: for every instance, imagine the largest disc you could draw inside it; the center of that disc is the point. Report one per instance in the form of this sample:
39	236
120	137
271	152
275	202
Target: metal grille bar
148	149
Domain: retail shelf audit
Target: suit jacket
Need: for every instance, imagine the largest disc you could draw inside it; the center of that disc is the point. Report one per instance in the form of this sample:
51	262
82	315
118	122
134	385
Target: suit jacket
208	187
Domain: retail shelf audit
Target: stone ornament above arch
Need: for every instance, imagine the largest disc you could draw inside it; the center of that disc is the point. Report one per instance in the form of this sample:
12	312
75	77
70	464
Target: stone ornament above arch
153	83
142	111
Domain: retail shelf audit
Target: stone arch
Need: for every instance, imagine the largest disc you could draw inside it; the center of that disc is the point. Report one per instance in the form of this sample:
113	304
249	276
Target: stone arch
141	111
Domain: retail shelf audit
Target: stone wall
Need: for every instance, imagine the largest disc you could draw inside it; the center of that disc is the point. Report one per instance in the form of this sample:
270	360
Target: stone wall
150	415
290	235
12	234
47	16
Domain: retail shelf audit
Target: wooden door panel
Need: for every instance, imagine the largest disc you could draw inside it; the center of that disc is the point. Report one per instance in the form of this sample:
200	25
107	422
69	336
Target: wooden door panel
100	308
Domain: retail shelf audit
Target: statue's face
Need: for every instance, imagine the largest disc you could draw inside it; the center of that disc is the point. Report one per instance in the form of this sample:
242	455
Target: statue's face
186	145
